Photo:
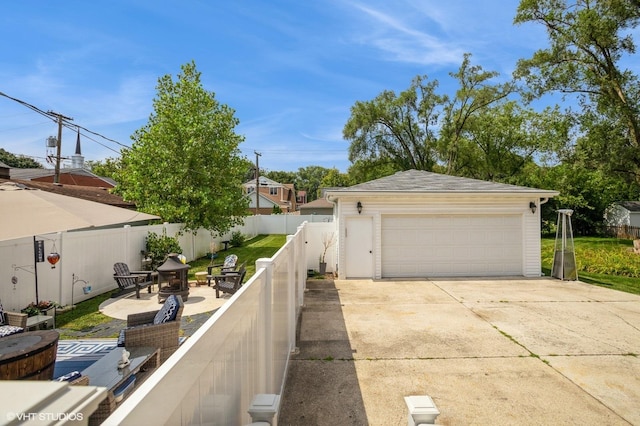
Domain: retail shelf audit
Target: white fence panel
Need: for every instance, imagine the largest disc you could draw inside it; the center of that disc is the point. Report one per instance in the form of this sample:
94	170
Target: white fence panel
287	224
87	257
241	351
315	234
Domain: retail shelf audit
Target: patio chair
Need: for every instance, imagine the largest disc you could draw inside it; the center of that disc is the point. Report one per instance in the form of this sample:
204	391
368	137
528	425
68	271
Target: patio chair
158	329
127	279
228	266
11	322
229	282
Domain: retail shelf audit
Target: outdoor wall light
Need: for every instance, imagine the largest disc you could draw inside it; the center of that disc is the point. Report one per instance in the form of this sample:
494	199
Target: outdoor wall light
359	207
533	207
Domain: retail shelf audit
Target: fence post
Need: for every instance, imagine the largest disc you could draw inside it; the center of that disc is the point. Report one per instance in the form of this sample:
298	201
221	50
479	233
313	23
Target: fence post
267	321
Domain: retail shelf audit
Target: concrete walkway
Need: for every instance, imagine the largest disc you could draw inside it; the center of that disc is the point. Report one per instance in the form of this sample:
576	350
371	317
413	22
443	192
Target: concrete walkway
489	352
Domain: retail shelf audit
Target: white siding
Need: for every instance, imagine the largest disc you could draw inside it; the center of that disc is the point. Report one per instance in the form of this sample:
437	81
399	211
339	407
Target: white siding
525	244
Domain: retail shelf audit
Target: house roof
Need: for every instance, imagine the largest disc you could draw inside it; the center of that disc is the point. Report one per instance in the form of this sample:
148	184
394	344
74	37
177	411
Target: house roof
90	193
419	181
632	206
70	176
320	203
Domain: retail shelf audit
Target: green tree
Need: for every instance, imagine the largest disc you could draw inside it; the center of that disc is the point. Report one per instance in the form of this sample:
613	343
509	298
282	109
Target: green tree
108	168
501	140
588	42
397	128
334	179
475	95
309	179
184	164
18	161
421	129
281	177
365	170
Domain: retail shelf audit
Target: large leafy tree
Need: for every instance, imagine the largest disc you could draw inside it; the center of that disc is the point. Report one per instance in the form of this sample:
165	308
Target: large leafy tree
476	132
588	43
476	94
18	161
309	179
502	139
334	178
397	128
368	169
109	167
184	164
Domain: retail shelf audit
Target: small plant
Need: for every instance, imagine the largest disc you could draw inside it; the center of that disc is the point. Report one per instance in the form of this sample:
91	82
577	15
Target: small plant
328	239
34	309
237	239
159	246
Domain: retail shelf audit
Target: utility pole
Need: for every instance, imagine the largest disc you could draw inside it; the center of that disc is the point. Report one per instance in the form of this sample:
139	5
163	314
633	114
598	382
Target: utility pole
56	176
257	182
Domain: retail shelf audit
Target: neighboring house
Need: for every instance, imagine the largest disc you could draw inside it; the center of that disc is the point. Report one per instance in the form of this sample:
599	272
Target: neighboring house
422	224
90	193
271	193
74	175
624	213
320	206
301	198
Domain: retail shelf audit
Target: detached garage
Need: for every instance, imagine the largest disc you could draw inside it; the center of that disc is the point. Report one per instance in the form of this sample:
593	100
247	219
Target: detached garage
421	224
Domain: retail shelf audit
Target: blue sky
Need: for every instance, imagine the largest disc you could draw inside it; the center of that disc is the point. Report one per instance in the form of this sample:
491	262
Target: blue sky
290	69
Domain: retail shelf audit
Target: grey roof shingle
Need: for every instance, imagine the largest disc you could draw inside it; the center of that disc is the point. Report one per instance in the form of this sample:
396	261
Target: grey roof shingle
420	181
632	206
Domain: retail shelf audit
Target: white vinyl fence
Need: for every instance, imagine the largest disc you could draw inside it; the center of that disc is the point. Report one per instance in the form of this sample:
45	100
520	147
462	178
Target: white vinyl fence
87	257
243	350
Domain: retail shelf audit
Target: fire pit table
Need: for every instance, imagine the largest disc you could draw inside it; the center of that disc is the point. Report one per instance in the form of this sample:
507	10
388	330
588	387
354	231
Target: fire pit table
29	355
172	278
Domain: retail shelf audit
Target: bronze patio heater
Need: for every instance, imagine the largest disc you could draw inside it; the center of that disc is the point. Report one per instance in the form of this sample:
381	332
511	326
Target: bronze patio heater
172	278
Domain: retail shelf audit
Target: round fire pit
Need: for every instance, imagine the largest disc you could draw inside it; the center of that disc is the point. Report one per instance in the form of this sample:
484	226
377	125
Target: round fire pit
172	278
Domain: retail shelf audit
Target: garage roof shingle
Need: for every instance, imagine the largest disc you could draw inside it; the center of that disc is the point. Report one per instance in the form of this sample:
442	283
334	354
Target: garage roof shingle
428	182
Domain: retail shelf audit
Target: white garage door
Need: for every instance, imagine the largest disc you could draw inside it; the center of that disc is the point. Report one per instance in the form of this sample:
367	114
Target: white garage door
451	245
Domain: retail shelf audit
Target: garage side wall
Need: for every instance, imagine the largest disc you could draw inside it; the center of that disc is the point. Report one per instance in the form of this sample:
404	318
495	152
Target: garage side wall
458	212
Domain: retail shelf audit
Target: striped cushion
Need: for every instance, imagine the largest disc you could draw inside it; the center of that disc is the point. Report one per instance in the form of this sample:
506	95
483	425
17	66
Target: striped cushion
8	330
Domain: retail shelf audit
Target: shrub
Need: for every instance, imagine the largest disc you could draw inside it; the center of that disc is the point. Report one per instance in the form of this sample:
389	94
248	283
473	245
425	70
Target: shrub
237	239
159	246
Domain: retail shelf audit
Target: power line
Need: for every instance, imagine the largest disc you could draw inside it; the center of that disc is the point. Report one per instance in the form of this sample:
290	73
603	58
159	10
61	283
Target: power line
64	121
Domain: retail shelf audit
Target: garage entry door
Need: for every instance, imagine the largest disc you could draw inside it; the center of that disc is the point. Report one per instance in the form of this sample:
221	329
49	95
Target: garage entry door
451	245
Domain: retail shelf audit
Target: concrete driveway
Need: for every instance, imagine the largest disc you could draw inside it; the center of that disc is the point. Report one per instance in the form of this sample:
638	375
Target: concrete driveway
488	351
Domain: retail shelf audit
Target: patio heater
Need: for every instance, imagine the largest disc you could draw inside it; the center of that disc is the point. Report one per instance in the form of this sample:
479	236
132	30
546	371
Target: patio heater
564	256
172	278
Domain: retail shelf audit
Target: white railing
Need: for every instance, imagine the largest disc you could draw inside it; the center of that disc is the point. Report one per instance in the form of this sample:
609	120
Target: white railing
241	351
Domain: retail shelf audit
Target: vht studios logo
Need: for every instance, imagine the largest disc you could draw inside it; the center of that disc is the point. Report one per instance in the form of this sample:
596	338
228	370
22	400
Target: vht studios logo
25	417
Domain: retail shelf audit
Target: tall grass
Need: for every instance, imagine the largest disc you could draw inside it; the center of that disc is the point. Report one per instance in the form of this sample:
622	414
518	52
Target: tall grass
607	262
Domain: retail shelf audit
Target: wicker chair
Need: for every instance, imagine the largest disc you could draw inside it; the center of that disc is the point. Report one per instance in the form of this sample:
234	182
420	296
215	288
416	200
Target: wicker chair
144	330
14	322
230	282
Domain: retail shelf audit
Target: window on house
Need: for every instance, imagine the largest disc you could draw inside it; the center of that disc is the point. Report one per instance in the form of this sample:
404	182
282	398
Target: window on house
273	191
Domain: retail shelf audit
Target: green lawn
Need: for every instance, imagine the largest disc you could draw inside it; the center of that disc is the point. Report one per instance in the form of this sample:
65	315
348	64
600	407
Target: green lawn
86	314
607	262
